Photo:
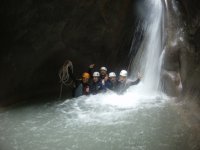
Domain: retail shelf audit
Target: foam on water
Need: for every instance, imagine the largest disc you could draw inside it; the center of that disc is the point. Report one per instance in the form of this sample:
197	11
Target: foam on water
102	108
105	121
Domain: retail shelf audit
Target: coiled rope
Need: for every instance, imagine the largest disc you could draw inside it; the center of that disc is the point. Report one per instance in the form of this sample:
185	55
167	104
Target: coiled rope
64	75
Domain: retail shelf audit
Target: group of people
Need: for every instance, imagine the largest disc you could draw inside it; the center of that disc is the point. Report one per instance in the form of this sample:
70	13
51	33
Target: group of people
94	82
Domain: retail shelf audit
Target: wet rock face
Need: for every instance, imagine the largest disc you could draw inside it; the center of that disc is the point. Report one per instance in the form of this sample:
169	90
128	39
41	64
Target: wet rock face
192	56
38	36
181	62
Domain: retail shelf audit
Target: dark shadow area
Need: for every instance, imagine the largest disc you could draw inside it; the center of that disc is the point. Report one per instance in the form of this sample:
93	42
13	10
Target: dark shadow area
38	36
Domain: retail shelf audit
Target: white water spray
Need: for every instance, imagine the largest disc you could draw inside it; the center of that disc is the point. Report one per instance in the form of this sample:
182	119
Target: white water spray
147	60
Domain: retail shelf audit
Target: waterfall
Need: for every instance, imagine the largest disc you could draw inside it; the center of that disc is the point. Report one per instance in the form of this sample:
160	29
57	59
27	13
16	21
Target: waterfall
147	60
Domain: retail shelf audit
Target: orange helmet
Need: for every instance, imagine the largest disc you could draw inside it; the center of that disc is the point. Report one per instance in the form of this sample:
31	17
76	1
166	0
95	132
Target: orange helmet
86	75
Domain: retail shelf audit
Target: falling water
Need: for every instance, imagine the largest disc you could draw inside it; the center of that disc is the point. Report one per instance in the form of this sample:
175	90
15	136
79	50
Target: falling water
147	60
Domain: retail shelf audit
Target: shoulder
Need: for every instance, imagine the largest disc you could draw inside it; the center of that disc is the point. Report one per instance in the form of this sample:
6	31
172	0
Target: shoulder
78	81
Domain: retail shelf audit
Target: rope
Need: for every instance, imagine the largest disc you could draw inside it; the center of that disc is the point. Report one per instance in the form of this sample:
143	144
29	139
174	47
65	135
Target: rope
64	75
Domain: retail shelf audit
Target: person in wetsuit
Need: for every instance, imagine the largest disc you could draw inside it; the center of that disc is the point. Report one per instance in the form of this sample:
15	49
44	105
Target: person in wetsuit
113	82
103	76
81	86
96	85
124	84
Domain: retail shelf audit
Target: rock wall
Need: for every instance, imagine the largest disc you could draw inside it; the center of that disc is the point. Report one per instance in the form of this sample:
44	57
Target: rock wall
191	15
181	68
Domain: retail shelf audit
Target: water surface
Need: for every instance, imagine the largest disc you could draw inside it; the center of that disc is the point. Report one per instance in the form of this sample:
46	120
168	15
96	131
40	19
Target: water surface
101	122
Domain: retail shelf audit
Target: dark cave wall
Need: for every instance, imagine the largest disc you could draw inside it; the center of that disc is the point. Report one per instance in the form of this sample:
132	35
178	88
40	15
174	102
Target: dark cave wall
38	36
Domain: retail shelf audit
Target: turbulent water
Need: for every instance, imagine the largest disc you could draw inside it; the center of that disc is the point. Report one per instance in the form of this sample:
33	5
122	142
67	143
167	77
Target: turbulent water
102	122
141	119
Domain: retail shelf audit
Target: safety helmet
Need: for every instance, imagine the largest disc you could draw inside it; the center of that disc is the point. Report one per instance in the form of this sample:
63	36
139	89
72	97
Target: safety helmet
86	75
123	73
96	74
112	74
103	68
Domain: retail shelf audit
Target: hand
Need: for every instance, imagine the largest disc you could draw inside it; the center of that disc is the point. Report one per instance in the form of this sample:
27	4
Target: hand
106	78
139	76
103	82
92	66
87	90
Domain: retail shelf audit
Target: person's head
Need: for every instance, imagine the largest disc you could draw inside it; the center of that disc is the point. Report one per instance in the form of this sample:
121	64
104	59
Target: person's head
112	77
123	76
85	77
96	76
103	71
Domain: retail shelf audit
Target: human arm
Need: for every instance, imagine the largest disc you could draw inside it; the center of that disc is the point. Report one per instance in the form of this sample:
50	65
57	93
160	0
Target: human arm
78	91
137	81
91	69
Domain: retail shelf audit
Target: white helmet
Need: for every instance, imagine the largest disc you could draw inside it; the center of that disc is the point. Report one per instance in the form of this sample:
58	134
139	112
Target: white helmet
123	73
103	68
96	74
112	74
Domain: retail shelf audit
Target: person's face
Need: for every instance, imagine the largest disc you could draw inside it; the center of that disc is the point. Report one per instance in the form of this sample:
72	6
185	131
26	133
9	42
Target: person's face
95	79
113	79
85	80
103	72
122	79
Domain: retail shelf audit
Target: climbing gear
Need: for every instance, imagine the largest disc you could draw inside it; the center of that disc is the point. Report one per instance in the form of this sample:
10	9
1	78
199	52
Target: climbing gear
96	74
112	74
86	75
123	73
64	75
103	68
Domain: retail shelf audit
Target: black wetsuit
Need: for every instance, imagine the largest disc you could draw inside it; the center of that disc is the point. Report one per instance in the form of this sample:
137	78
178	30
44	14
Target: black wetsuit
113	85
96	87
122	87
